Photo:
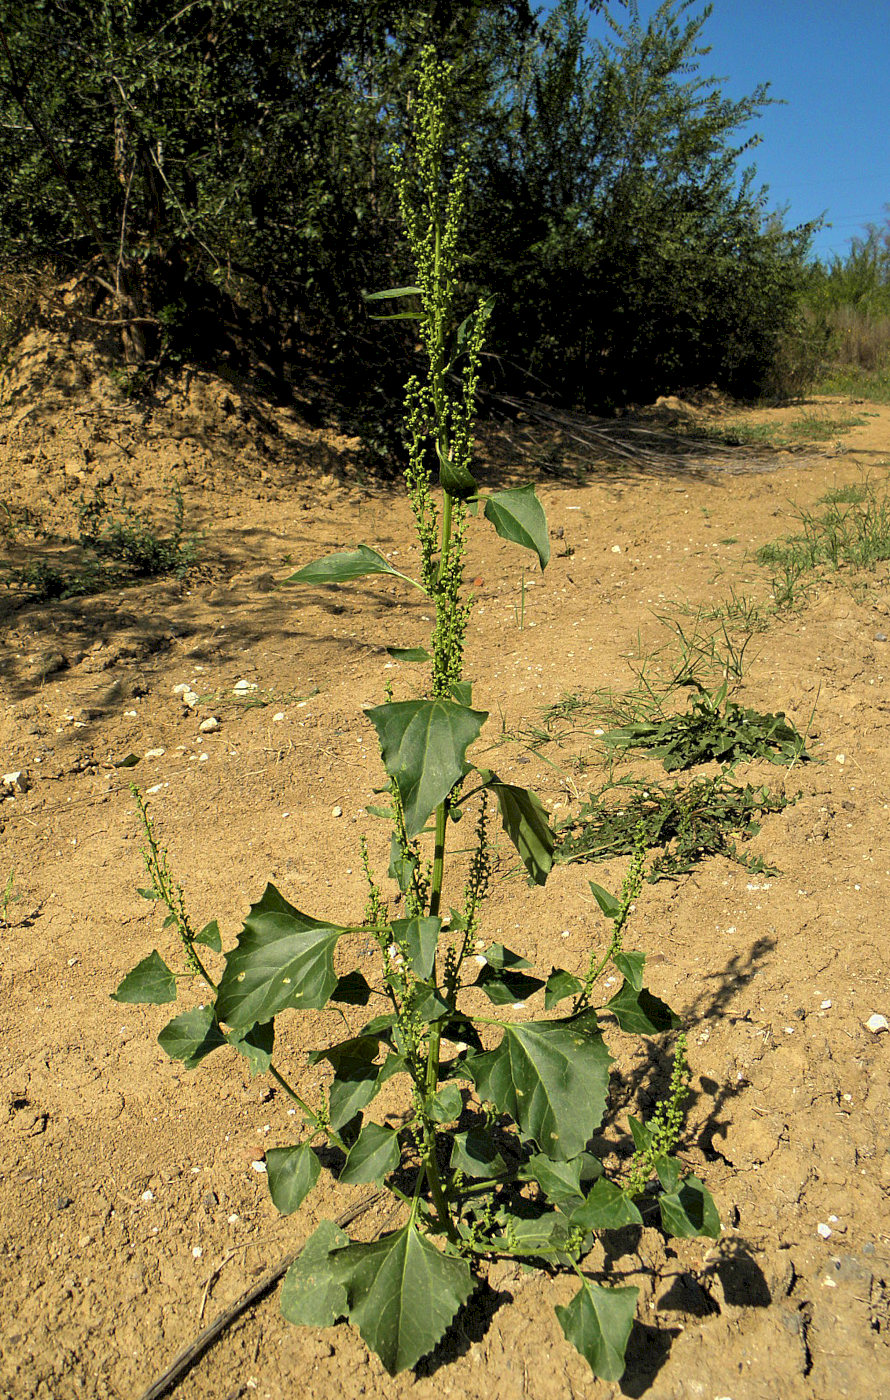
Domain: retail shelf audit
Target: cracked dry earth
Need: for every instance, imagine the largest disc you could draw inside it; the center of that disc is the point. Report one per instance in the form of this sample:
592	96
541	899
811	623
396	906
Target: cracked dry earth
132	1209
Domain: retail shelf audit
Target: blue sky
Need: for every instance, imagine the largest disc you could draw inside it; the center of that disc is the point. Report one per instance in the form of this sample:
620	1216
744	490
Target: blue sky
828	149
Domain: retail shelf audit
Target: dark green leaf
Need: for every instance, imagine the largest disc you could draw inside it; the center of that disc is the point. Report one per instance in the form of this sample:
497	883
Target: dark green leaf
560	1181
552	1078
560	985
447	1105
421	938
353	989
347	565
129	761
191	1036
455	478
501	958
597	1322
409	654
150	981
606	1208
402	864
355	1076
291	1172
641	1013
424	745
670	1171
528	827
690	1211
283	958
475	1154
430	1004
402	1294
518	515
631	965
312	1295
610	906
209	936
255	1044
462	692
373	1155
640	1133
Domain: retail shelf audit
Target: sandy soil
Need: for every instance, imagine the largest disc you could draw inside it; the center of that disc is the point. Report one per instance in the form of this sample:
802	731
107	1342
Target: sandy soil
131	1209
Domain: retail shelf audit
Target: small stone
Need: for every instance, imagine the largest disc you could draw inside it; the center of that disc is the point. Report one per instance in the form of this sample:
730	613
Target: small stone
840	758
825	1005
17	782
616	548
276	719
197	1251
880	636
824	1231
155	753
259	1167
876	1024
190	698
242	687
209	725
181	689
147	1196
336	811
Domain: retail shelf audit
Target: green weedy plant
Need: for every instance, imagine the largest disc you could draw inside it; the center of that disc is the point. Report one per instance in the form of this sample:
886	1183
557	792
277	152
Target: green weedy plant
492	1156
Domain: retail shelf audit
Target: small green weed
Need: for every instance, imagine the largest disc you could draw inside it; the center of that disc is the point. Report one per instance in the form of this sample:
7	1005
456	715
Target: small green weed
871	385
851	531
7	897
684	824
713	729
807	428
118	549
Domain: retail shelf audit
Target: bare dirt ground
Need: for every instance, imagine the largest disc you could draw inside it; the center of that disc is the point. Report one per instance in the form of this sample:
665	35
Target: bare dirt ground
131	1210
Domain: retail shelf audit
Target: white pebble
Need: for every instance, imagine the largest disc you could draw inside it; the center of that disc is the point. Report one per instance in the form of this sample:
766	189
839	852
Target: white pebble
276	719
877	1023
825	1005
259	1167
197	1251
155	753
840	758
336	811
181	688
203	757
190	698
824	1231
242	686
233	1219
148	1196
616	548
207	726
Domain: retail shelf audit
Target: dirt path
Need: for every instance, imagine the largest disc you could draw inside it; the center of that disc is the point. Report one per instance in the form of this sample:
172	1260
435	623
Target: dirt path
131	1206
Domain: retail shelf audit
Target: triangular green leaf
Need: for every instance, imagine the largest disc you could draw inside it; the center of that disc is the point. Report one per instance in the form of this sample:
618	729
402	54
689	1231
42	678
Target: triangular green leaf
356	1076
256	1045
373	1155
641	1013
409	653
421	938
430	1004
191	1036
518	515
424	745
560	1181
631	965
347	565
597	1322
454	477
312	1295
526	823
610	906
552	1077
560	984
210	937
690	1211
402	1294
447	1105
534	1234
606	1208
150	981
283	958
501	958
475	1154
291	1173
640	1133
